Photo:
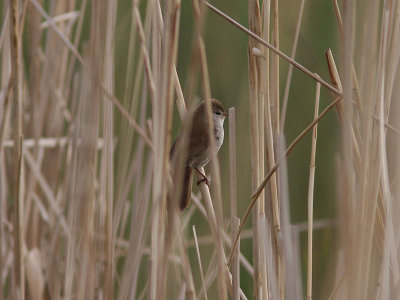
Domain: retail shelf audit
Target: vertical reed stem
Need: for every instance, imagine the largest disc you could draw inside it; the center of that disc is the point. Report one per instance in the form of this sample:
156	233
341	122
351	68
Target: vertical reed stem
311	196
236	264
232	161
17	134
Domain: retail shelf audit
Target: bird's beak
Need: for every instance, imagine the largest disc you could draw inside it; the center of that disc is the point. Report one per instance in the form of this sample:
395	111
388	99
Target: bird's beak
225	114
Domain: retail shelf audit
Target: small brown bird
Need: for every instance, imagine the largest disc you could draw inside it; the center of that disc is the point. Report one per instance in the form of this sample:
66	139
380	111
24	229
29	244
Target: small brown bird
198	152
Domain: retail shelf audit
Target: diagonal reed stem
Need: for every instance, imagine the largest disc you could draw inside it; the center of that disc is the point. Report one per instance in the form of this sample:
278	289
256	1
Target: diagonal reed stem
259	190
273	49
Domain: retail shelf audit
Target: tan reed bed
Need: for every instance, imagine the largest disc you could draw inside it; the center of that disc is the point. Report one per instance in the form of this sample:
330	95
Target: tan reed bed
88	91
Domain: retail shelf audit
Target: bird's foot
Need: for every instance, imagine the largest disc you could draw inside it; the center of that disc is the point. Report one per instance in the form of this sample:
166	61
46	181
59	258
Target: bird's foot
204	178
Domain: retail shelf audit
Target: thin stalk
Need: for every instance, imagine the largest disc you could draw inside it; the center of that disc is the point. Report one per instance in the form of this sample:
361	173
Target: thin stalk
236	264
290	72
16	79
223	273
273	49
256	194
232	162
199	261
311	196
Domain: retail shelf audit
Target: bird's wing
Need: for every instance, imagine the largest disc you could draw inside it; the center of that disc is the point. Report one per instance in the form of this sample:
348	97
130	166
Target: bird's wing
198	144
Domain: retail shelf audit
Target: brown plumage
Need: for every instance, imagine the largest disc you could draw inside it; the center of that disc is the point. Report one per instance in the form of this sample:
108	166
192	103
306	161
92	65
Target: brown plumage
198	147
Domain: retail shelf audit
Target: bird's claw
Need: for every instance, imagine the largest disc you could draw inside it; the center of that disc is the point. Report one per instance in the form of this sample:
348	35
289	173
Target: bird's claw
204	179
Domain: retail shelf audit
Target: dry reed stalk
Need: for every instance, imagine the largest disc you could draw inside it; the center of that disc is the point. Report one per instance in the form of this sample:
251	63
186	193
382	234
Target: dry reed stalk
4	29
263	184
128	285
133	101
199	261
367	244
236	263
232	161
16	79
34	274
210	274
212	220
215	216
247	266
67	175
107	159
233	205
187	271
264	143
274	78
110	97
335	79
137	232
290	71
87	219
311	196
254	18
58	142
47	191
162	122
3	193
270	94
290	279
209	212
272	48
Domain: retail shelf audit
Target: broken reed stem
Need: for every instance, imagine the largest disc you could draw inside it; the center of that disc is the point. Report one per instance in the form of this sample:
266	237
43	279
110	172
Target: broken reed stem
256	194
199	261
232	161
311	195
354	75
187	271
273	49
16	80
335	78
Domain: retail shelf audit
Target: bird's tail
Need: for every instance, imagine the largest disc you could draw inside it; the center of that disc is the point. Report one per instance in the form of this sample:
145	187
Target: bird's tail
186	192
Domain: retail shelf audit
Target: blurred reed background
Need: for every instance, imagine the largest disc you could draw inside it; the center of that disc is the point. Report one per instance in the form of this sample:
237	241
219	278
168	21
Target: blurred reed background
92	94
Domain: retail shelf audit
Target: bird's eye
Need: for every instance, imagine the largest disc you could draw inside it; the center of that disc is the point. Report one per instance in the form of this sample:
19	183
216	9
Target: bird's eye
218	112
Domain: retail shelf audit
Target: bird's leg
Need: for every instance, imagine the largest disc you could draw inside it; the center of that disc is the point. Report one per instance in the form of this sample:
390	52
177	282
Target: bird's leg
205	179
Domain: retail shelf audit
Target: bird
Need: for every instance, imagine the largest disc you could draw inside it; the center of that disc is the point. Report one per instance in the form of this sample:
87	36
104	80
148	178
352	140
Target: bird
195	143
